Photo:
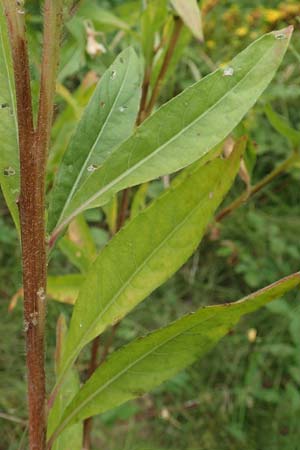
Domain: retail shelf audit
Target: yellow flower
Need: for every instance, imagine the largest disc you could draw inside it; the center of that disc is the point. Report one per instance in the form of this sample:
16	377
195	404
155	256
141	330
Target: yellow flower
241	31
291	9
211	44
273	15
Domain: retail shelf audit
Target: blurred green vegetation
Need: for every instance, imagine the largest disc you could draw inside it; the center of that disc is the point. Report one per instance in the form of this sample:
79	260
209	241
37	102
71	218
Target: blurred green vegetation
245	394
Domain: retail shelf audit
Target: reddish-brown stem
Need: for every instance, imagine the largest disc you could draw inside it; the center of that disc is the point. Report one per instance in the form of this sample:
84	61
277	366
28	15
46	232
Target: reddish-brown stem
165	65
123	209
33	147
87	431
144	97
31	206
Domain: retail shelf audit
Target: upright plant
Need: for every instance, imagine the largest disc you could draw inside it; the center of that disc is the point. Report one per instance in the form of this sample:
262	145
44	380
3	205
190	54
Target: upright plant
108	155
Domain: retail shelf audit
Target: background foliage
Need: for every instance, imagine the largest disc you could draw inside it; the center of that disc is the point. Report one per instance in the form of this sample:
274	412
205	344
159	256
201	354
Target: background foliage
245	393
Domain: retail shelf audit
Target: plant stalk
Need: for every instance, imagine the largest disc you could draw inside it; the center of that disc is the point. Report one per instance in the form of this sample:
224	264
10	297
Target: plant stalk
33	148
31	207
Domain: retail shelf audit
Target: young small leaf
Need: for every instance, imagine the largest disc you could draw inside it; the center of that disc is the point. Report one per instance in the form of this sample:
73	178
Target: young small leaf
148	251
186	128
107	121
146	363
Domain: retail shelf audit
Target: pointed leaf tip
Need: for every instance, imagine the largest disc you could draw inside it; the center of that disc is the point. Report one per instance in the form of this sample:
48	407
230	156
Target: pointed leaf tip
284	33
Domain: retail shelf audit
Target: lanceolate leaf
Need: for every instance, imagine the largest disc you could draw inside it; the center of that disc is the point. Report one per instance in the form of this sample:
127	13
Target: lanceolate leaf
9	158
186	128
147	252
65	124
189	12
142	365
282	126
108	120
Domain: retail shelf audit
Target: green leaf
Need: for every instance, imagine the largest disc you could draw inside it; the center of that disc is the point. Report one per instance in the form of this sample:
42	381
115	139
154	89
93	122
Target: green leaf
79	232
282	126
9	151
64	288
144	364
145	253
74	254
70	439
107	121
190	14
73	52
186	128
65	124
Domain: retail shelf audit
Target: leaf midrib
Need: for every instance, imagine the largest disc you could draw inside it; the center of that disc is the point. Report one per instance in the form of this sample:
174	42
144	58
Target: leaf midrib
152	154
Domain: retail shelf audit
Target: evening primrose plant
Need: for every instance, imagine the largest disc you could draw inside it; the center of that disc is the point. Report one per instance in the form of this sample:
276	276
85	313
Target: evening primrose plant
121	141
